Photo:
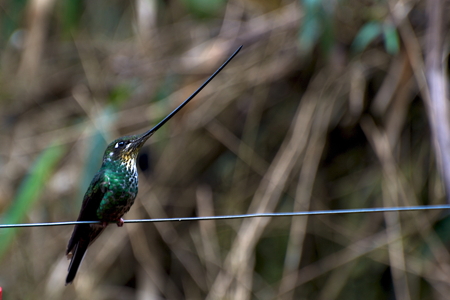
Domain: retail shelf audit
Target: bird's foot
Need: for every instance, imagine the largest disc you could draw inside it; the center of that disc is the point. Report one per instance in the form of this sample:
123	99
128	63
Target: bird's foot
120	222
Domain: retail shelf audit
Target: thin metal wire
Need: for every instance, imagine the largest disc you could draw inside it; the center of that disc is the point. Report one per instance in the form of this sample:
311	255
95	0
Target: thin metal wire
259	215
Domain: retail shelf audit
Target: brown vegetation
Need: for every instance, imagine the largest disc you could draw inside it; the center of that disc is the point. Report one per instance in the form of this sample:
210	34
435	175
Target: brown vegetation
329	105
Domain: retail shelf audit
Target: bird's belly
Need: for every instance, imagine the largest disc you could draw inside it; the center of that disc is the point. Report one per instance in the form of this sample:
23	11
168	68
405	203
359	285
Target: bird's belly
113	207
118	197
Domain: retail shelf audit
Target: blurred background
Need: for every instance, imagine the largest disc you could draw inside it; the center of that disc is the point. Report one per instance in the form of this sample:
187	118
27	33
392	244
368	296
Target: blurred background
324	108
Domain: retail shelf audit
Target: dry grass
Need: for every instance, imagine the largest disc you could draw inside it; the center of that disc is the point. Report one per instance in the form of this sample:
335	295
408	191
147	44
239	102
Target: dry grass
283	128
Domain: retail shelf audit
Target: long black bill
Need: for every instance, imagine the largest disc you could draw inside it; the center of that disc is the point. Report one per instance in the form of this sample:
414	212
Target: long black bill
163	121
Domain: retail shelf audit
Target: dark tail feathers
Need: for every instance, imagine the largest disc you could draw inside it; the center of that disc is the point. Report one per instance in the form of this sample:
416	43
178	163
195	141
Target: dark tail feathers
77	258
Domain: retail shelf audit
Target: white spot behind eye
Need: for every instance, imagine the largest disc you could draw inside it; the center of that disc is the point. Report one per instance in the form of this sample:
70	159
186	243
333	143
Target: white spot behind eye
119	144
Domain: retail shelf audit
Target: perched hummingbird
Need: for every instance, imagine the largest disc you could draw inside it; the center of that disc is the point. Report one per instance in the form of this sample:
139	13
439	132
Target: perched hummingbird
113	189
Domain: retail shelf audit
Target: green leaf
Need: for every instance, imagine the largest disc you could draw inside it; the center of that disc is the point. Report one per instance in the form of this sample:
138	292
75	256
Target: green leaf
166	88
11	17
70	14
119	94
312	4
310	33
29	192
204	8
366	35
317	27
391	39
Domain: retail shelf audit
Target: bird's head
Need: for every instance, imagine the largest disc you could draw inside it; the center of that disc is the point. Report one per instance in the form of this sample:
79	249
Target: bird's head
125	149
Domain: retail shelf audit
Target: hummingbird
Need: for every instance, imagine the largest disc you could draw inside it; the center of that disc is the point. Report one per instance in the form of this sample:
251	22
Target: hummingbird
114	188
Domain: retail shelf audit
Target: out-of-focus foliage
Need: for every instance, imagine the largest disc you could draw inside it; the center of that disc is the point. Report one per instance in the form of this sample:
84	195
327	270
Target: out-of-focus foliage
204	8
322	109
371	30
28	192
317	25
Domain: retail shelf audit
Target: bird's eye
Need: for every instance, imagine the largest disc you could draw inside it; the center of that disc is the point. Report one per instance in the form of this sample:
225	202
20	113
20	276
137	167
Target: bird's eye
119	144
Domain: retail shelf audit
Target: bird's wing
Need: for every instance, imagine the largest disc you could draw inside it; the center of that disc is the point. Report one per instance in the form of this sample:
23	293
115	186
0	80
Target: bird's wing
88	212
93	197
